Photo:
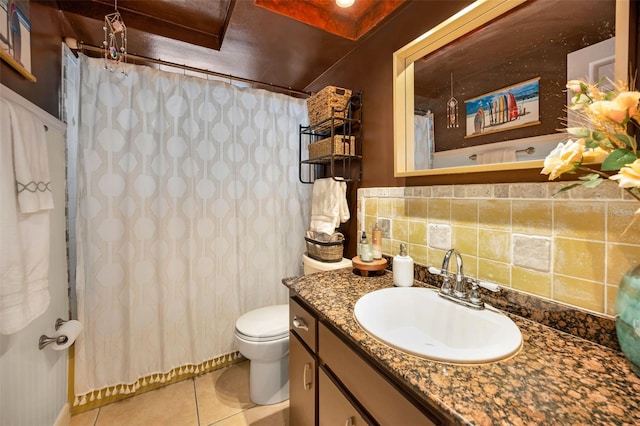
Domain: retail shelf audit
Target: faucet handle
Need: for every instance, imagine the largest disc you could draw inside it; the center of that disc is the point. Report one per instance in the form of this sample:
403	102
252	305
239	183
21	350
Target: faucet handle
474	294
436	271
489	286
446	284
446	279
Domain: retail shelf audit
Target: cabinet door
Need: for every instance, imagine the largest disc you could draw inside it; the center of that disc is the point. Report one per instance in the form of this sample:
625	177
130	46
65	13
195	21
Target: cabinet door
302	384
334	408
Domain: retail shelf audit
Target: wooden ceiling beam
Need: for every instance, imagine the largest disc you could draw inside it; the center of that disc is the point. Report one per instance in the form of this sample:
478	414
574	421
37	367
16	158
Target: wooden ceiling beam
176	29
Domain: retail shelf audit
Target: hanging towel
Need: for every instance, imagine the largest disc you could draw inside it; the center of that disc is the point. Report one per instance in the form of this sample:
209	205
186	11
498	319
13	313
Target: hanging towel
497	156
329	205
25	200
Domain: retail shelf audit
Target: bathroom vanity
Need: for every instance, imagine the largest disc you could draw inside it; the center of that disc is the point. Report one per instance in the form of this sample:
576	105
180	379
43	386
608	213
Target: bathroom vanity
339	374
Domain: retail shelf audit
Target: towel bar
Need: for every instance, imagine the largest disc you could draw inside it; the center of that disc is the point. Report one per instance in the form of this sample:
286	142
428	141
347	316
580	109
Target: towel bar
529	150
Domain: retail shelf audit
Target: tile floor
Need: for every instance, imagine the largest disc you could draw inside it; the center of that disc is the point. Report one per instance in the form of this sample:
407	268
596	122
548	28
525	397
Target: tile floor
219	398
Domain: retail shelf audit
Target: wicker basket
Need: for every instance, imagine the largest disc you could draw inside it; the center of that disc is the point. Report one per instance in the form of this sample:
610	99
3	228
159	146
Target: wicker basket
342	145
325	251
330	99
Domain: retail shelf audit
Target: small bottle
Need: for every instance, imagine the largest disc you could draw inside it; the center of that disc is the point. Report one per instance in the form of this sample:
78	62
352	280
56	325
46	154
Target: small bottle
402	268
366	250
376	241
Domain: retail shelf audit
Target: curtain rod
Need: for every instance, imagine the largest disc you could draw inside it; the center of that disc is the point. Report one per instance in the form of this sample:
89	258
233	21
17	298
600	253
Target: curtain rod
281	89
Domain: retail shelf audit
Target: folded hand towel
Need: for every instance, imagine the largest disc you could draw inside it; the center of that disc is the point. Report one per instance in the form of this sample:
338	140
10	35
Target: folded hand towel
24	241
328	205
31	165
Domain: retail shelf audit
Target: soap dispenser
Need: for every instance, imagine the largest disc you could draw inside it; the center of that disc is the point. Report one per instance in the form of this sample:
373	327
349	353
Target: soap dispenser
402	268
366	249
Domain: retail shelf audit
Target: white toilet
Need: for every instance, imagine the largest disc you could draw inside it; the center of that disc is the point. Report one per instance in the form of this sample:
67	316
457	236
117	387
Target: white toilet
263	338
312	266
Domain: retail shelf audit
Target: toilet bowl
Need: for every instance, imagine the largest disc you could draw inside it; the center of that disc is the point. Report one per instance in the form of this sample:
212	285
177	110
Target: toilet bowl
262	336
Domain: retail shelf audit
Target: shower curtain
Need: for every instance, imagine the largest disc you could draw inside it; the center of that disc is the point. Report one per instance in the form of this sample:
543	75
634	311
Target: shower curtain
424	143
189	214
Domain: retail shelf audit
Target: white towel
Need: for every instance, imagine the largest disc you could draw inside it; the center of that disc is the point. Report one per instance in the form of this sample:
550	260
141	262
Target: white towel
497	156
24	237
30	161
329	205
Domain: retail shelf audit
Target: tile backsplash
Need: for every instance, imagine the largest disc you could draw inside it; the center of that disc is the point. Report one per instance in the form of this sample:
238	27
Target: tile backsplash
571	248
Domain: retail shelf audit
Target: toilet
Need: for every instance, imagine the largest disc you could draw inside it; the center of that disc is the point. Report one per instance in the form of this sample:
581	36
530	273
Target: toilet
312	266
262	336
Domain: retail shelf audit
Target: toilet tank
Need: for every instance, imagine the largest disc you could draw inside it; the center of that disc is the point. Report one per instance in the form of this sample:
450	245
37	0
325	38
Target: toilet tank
312	266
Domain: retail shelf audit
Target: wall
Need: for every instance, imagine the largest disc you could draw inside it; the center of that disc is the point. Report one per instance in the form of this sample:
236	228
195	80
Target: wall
33	382
571	248
46	40
562	225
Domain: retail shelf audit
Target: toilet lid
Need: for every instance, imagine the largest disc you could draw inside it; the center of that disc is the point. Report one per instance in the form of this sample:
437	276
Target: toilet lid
264	323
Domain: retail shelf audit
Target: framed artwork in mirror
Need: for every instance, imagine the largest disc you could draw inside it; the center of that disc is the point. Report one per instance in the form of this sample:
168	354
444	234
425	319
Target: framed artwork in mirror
508	108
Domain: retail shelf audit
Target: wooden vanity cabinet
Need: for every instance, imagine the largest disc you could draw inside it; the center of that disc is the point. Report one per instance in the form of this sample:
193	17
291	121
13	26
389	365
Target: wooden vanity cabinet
346	389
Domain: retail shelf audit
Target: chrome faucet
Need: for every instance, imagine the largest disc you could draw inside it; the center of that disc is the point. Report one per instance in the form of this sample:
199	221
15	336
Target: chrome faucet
459	294
460	289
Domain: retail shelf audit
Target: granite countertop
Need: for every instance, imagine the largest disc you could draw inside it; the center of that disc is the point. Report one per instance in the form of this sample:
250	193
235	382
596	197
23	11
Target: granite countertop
556	378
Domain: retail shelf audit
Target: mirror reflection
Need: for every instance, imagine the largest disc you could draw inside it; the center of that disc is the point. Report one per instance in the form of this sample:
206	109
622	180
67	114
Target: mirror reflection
497	93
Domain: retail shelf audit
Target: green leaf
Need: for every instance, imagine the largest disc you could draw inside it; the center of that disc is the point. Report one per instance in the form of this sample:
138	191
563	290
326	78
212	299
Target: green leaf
590	143
628	140
596	135
566	188
618	159
580	132
591	180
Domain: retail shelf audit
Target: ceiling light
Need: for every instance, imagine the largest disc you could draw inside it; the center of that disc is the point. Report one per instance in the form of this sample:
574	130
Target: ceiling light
345	3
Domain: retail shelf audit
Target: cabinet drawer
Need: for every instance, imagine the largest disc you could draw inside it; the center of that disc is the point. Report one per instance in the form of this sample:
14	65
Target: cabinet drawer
303	323
381	399
334	408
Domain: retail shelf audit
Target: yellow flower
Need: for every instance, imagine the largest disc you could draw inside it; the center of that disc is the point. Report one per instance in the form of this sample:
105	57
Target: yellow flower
563	158
618	108
629	175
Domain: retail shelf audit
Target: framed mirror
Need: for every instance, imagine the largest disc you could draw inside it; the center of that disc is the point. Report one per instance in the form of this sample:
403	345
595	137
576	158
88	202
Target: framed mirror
485	89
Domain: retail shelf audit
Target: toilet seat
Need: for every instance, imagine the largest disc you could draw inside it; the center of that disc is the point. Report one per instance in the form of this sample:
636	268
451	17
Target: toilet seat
264	324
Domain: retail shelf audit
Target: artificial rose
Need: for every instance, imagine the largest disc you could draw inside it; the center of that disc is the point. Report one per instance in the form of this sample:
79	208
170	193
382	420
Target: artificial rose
563	158
628	101
629	175
618	108
574	86
595	155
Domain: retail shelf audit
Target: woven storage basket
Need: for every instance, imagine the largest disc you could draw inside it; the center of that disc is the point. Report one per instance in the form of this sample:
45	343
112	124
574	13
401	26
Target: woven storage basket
325	251
342	145
320	105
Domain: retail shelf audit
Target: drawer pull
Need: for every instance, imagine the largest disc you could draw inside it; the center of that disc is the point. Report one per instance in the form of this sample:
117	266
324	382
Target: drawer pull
349	422
299	323
307	381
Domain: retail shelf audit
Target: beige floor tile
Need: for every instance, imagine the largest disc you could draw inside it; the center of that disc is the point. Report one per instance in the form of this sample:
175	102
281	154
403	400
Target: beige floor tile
223	393
174	405
261	415
88	418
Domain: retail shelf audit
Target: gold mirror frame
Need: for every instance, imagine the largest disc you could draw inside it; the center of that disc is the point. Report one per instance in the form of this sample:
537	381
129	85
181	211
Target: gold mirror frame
468	19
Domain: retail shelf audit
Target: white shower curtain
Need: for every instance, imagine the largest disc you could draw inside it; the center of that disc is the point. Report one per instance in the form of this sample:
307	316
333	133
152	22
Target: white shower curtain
189	214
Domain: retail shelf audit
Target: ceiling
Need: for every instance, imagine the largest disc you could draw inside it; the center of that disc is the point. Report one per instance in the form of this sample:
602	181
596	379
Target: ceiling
279	42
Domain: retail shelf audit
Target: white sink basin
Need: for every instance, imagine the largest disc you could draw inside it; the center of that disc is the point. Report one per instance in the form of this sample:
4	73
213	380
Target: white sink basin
418	321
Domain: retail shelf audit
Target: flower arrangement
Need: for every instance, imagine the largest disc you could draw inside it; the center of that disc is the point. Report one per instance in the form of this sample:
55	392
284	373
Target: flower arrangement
603	136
